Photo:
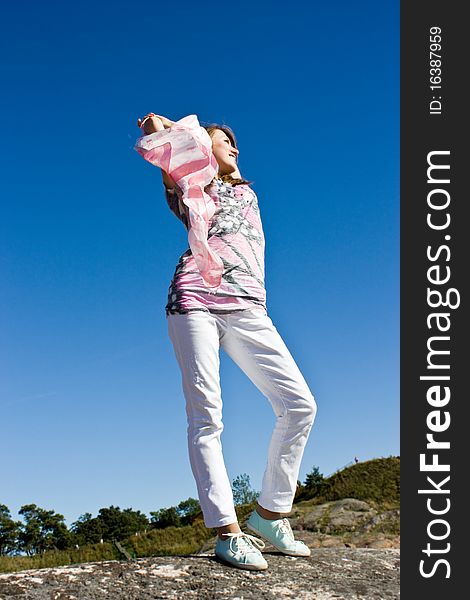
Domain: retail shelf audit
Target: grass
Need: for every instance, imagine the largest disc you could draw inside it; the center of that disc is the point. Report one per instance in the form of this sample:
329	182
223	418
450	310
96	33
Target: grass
157	542
55	558
376	481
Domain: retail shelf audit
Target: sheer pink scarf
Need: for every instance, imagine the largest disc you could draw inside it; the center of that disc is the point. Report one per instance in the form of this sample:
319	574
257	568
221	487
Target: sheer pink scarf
184	151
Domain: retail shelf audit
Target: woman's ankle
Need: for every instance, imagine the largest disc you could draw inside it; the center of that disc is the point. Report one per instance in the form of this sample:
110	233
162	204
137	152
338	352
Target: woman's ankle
269	514
230	528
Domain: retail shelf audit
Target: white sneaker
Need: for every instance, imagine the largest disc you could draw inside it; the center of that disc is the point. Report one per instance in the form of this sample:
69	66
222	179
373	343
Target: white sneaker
239	550
279	533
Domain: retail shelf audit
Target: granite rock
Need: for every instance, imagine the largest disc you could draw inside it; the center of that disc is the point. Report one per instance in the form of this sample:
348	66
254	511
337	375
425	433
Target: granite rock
329	573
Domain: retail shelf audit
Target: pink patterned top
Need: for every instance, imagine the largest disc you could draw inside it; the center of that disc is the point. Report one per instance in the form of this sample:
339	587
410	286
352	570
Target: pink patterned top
235	234
223	268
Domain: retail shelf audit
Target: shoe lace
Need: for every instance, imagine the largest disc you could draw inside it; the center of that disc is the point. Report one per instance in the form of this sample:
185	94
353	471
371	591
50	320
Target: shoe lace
285	527
244	541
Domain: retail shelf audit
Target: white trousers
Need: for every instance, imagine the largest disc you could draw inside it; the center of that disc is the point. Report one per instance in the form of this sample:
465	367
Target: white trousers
252	341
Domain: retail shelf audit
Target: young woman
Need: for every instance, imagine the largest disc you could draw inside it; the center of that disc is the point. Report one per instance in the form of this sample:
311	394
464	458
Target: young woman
217	298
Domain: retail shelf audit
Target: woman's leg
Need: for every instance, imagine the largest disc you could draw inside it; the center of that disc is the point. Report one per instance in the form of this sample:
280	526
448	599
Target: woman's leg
254	343
195	337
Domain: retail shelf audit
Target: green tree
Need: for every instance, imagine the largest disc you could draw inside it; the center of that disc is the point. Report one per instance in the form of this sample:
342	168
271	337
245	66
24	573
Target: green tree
87	530
42	530
187	510
119	524
242	490
9	531
314	478
176	516
165	517
314	482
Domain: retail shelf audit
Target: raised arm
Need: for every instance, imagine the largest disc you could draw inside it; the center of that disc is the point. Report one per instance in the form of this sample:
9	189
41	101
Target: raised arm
150	124
185	152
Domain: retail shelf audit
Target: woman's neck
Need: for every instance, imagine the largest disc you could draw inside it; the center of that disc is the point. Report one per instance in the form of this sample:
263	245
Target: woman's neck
235	174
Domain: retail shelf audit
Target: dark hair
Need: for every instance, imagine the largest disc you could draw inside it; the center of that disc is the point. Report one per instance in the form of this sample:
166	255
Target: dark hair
211	128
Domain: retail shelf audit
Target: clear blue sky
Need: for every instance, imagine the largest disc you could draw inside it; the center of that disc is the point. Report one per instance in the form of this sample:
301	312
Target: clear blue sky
91	405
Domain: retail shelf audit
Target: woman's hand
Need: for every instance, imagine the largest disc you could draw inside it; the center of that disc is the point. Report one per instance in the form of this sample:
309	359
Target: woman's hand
152	123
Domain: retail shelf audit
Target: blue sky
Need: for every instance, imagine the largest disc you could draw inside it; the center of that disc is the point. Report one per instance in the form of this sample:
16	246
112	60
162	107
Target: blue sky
91	404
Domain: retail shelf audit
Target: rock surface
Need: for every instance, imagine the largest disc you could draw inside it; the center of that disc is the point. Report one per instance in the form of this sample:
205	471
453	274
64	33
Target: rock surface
345	523
329	573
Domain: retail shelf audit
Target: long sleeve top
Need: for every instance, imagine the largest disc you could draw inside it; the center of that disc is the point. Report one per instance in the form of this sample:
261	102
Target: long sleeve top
233	237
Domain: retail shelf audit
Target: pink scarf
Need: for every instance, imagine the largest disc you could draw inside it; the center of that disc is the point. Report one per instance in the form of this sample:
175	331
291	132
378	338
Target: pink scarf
184	151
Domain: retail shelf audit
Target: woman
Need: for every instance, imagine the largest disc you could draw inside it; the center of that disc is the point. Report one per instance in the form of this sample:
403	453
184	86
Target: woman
217	299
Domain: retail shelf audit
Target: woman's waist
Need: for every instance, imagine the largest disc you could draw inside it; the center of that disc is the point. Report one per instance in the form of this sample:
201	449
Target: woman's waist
242	259
241	274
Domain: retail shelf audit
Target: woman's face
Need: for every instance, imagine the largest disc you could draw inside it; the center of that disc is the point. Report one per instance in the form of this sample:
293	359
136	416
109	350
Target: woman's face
224	152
